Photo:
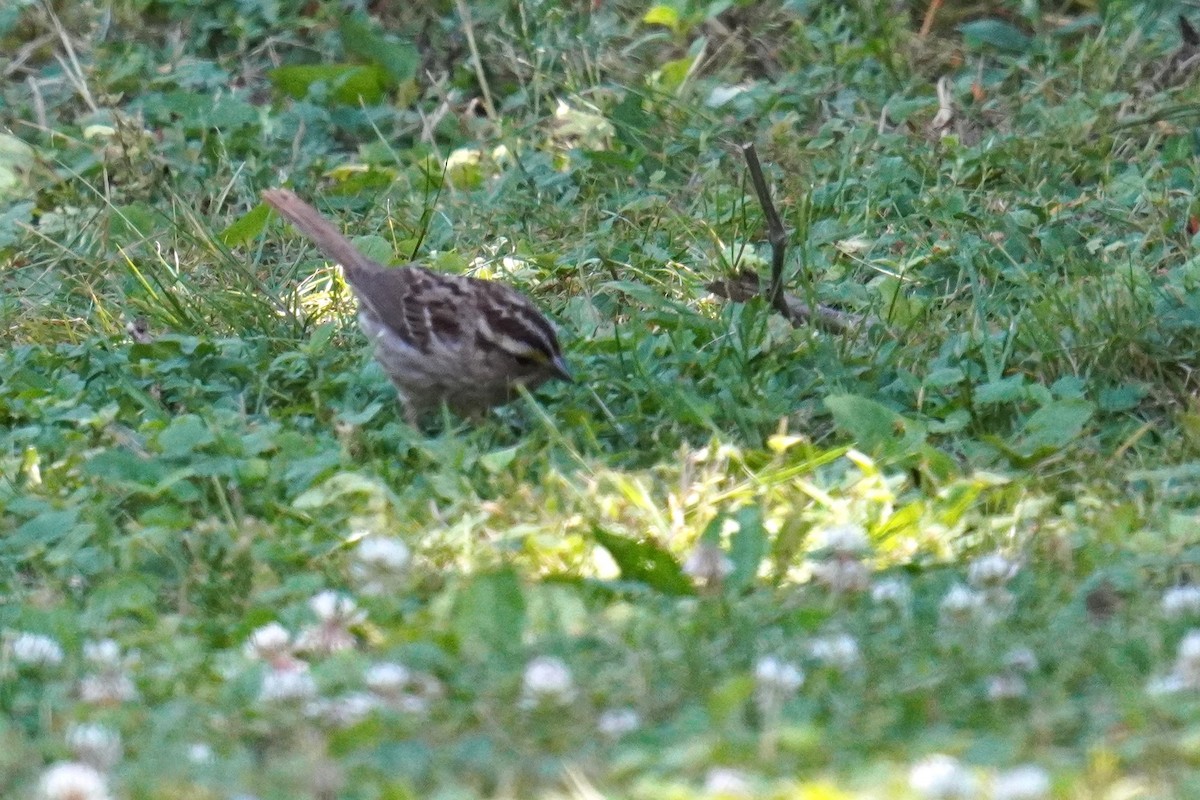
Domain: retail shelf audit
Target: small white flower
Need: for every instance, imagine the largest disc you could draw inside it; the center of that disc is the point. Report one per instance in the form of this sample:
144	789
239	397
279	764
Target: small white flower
290	684
380	562
1165	685
343	711
617	722
891	591
1187	660
1189	650
33	649
991	571
104	653
720	95
941	777
70	780
1021	659
1180	601
387	679
108	687
775	681
839	651
846	540
727	782
1026	782
547	680
385	552
412	703
707	564
268	643
1006	686
95	744
336	613
200	753
842	575
331	606
963	605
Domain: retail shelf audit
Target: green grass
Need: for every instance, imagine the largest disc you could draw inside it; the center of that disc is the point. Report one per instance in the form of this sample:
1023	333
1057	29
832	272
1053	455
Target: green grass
598	577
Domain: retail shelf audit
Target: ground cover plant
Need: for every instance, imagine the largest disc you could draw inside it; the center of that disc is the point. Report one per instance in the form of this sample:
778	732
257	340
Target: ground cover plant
947	551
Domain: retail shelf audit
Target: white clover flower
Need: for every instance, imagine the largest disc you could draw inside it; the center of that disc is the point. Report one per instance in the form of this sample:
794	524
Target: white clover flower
707	564
379	564
617	722
963	605
103	653
942	777
200	753
1026	782
1181	601
268	643
95	744
992	571
1021	659
547	680
384	551
839	651
70	780
387	679
1165	685
844	540
343	711
336	613
891	591
727	782
109	687
290	684
412	703
842	575
775	682
33	649
1006	686
1187	660
778	675
331	606
401	689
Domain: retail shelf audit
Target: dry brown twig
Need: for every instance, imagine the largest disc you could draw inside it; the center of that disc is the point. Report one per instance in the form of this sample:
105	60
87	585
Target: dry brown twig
746	284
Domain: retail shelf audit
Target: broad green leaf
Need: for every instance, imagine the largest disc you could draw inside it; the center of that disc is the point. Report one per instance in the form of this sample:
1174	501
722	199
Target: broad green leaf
40	532
11	220
1054	425
662	15
996	33
1004	391
349	84
399	59
489	614
498	461
184	436
16	158
747	547
246	227
644	561
375	247
875	428
131	224
123	467
673	72
1122	398
946	376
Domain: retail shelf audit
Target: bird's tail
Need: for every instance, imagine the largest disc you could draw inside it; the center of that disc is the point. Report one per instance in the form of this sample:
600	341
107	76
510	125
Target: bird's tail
320	230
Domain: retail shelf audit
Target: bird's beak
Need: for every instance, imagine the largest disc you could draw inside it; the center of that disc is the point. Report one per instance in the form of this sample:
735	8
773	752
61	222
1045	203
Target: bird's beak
558	366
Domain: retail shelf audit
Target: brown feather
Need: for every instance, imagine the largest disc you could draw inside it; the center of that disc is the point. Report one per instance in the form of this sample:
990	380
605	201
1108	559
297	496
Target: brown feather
441	338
